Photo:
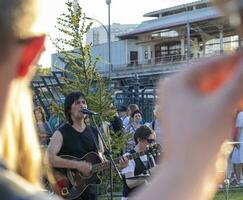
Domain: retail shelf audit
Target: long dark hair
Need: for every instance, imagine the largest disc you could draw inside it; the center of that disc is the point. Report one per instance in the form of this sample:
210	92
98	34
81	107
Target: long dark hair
69	100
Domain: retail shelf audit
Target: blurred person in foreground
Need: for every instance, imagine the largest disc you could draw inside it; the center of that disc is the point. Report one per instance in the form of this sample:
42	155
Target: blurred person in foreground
212	90
20	47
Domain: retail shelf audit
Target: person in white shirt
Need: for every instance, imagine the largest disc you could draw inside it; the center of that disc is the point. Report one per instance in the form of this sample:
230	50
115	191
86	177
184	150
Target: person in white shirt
237	154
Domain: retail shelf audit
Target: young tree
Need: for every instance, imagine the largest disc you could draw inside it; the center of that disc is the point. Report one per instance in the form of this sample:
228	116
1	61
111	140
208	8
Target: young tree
81	73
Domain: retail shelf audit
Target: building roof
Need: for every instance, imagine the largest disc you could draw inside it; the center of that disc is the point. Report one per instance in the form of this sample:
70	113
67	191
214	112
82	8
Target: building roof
175	9
170	21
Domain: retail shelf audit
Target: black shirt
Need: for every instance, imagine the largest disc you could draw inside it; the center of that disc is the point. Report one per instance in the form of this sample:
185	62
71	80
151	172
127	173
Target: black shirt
77	143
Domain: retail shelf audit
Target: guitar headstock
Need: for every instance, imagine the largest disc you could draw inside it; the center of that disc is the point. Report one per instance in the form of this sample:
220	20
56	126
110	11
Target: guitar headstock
153	149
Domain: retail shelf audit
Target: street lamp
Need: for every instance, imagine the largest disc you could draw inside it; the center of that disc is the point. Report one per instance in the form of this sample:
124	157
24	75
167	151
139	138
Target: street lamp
75	5
108	2
108	41
106	30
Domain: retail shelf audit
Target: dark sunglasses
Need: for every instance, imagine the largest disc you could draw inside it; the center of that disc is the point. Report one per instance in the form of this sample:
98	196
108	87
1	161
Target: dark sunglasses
150	141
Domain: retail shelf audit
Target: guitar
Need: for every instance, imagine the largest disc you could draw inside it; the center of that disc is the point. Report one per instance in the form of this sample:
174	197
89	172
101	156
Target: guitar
71	183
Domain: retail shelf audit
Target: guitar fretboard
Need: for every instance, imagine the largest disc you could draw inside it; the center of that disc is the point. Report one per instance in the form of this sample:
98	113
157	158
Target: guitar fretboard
105	165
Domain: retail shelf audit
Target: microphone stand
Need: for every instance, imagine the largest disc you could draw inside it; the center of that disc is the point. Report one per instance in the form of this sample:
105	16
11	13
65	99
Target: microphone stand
108	153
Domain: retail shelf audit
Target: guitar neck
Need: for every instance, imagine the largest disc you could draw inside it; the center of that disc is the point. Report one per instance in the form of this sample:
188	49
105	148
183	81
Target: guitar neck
106	165
135	155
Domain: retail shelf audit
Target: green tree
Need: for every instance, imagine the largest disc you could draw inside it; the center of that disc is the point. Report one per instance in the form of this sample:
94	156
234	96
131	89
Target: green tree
81	73
42	71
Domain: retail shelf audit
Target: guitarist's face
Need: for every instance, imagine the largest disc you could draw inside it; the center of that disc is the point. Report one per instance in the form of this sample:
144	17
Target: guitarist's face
144	142
76	108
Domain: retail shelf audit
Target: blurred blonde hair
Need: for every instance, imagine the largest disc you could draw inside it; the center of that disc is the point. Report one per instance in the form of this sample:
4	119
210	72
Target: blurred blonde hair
21	20
19	145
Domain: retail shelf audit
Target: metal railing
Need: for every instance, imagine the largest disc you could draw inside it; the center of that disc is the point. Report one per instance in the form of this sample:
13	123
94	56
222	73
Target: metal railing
161	64
47	89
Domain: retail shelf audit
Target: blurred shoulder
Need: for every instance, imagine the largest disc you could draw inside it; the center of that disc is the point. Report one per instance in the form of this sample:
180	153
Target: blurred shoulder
12	186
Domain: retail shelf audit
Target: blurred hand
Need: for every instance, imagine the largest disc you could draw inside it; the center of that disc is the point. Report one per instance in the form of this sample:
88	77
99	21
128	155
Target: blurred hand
196	112
195	122
237	146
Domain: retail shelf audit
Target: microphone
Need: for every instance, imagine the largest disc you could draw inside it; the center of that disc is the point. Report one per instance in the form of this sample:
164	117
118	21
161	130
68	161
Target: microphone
88	112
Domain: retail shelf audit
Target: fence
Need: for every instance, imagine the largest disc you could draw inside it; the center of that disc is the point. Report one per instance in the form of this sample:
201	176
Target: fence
47	89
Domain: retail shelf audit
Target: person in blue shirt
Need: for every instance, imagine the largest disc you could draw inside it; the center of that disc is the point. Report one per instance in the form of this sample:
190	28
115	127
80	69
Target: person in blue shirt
54	120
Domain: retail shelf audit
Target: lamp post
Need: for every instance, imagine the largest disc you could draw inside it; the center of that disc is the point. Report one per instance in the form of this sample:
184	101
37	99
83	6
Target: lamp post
108	41
108	2
108	32
93	19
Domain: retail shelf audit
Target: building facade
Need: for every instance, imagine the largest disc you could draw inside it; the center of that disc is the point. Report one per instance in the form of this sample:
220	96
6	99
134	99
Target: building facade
98	35
173	39
177	36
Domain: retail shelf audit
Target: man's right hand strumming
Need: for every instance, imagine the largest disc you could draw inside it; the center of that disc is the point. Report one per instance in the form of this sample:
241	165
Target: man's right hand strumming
56	161
84	167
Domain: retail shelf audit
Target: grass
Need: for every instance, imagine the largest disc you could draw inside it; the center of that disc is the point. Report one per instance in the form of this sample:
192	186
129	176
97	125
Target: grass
234	194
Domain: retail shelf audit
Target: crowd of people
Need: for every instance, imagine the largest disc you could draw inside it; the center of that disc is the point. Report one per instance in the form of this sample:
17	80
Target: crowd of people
181	97
131	118
76	138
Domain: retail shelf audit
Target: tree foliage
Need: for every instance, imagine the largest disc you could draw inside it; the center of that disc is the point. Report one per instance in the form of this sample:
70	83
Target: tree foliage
80	72
42	71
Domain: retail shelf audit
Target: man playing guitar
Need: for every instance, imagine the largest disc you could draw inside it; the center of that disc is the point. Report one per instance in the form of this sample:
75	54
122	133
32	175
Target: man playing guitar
134	175
75	138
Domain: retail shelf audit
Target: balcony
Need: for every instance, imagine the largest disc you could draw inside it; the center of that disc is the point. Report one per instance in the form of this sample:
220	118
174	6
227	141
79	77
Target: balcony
155	66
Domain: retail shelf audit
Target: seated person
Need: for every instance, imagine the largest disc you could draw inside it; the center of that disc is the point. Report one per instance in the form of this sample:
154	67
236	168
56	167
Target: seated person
142	137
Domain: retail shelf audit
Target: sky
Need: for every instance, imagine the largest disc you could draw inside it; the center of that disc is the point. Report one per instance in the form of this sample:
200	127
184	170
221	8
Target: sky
122	11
